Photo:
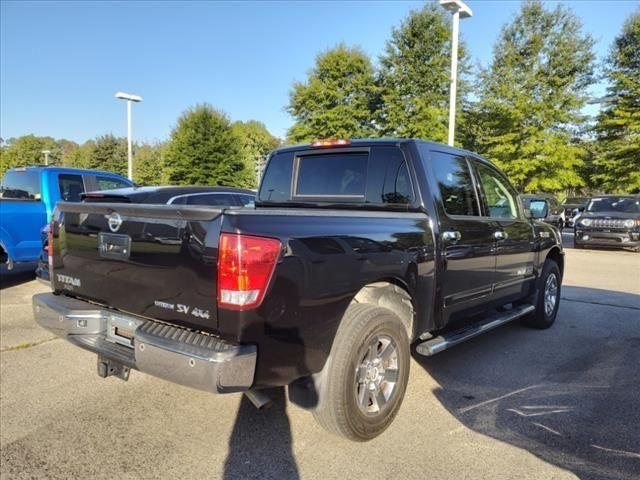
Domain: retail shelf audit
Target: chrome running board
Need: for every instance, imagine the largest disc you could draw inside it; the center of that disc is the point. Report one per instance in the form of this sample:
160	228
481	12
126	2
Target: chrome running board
454	337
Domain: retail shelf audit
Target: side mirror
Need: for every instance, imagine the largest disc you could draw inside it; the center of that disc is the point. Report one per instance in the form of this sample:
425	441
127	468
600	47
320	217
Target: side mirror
538	208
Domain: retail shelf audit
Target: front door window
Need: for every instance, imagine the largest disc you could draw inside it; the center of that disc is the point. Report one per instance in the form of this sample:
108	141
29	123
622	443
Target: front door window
500	199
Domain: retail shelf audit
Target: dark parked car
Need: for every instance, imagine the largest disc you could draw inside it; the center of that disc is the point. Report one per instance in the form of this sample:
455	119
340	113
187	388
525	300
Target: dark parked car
215	196
572	207
553	213
218	196
610	221
354	251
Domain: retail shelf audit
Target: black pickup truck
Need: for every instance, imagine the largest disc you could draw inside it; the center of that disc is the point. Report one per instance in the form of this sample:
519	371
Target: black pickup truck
355	252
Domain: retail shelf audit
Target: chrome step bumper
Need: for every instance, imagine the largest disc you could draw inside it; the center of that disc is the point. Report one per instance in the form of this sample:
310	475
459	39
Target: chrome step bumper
178	355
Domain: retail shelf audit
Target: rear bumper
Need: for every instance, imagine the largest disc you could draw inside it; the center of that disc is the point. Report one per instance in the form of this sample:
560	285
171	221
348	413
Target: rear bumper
607	239
181	356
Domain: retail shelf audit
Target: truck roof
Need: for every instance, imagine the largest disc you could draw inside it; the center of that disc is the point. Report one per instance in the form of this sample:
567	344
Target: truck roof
58	168
366	142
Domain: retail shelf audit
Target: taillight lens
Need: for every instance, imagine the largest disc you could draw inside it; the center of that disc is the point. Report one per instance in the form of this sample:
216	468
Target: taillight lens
245	266
50	247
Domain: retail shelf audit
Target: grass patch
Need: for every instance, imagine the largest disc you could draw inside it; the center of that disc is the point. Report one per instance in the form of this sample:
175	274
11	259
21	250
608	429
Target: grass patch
22	346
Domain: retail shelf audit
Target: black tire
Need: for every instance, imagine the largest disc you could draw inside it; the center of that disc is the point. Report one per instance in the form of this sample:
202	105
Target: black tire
544	317
577	245
339	409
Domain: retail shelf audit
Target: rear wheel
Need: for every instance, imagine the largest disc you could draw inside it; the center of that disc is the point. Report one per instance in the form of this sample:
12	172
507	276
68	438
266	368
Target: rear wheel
365	378
548	298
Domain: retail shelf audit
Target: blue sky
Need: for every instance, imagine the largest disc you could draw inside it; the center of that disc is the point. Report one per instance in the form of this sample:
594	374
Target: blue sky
62	62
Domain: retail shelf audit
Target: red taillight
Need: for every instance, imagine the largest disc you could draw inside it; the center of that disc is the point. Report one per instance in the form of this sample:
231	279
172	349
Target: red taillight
330	143
50	247
245	267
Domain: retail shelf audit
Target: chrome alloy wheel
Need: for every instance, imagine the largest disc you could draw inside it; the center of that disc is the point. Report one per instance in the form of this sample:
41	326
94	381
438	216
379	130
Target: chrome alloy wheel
550	294
377	375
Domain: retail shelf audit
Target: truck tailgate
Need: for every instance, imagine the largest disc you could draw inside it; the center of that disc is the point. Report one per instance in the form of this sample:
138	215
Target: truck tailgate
156	261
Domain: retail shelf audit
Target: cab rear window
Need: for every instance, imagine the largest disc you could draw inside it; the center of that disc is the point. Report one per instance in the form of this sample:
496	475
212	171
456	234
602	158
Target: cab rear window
375	176
332	175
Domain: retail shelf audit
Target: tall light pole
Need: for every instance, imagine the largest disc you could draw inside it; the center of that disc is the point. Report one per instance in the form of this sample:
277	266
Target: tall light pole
129	98
458	10
46	156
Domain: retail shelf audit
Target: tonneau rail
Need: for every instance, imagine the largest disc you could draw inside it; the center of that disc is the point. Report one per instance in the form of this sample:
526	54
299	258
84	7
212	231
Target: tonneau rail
180	212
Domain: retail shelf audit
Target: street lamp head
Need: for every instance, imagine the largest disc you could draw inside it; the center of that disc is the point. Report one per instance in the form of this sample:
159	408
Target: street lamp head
46	152
457	6
606	100
128	96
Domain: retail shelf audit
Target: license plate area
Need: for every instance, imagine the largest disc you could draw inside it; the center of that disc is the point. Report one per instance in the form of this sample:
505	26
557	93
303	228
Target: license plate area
114	245
121	330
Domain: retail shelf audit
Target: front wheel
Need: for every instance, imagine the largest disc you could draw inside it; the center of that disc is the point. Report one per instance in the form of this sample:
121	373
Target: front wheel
548	297
364	380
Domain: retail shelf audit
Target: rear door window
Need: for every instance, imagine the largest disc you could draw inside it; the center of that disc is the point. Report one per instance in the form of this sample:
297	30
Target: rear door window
71	187
332	175
111	183
246	200
215	199
276	183
21	184
397	184
454	182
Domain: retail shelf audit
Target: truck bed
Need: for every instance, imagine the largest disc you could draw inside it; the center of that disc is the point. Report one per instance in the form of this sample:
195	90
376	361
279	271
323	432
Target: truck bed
170	271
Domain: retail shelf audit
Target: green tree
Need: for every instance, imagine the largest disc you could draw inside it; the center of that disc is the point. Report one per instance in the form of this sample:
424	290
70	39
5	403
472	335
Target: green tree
256	143
415	76
528	117
27	151
338	99
109	153
617	164
148	164
203	150
78	157
66	147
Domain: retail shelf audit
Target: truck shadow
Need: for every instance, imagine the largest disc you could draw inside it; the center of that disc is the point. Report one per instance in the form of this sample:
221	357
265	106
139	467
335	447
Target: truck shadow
568	395
21	273
260	444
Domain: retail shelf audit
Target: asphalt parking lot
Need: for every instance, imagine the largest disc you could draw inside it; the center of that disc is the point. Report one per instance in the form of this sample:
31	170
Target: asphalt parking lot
512	404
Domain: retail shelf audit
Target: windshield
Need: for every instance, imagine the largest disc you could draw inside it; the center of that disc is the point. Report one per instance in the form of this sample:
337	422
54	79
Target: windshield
614	204
21	184
575	201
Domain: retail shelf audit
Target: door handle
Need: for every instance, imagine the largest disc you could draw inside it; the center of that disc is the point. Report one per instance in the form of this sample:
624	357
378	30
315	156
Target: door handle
500	235
451	236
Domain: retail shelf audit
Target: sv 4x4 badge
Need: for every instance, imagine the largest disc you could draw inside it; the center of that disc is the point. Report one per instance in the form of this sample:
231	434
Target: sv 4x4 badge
184	309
